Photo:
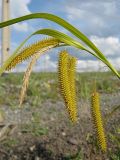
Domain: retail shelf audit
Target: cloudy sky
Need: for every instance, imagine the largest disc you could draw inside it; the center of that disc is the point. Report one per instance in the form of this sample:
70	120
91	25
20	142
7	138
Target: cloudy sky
99	20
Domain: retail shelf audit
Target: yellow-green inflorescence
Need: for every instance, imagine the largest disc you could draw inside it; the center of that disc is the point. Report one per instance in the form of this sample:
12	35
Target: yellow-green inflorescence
31	50
66	73
97	120
71	75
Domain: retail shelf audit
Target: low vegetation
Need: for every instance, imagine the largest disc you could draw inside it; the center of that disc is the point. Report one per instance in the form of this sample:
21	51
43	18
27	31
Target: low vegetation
42	85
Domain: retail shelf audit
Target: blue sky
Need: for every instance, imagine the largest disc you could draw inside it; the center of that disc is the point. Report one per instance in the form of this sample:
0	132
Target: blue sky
99	20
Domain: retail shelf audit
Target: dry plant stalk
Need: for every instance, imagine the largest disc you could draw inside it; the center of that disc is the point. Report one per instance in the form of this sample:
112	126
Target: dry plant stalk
28	72
31	50
64	81
97	120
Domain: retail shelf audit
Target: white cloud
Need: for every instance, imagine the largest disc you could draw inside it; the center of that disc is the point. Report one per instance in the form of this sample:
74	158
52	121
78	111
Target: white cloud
109	45
19	8
89	65
83	13
94	17
21	27
116	63
46	64
75	13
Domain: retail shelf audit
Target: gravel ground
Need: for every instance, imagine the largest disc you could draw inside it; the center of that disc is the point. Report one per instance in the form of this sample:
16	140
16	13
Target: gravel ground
46	133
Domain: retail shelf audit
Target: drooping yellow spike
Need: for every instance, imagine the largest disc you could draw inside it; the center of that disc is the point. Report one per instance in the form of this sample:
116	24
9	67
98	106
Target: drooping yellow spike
64	81
97	120
71	75
31	50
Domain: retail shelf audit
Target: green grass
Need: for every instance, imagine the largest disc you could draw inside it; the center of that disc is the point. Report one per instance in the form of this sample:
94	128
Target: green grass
44	86
35	129
10	142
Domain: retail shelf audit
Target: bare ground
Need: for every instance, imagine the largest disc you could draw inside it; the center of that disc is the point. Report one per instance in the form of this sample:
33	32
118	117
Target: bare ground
46	133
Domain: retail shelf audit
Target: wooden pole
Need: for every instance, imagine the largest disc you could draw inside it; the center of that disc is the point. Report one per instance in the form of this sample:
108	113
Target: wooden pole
5	31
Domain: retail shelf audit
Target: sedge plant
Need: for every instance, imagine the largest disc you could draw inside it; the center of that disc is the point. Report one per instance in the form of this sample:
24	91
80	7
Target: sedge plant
66	72
97	120
67	63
